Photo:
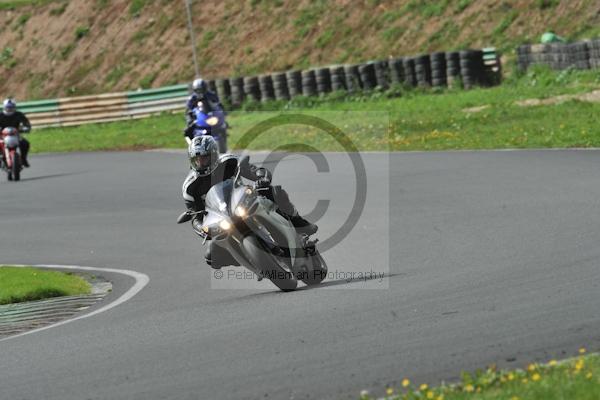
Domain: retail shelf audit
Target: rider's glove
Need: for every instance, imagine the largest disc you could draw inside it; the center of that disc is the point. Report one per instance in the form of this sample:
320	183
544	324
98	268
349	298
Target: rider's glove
189	131
263	178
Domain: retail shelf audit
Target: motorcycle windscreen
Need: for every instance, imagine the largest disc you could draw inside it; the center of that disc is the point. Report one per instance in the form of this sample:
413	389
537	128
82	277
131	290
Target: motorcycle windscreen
218	197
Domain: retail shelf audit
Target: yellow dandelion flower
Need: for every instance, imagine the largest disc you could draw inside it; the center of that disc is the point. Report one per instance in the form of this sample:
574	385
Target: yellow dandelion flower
440	397
430	395
531	367
423	387
525	381
405	382
389	391
589	375
582	350
511	376
579	365
536	377
553	363
469	388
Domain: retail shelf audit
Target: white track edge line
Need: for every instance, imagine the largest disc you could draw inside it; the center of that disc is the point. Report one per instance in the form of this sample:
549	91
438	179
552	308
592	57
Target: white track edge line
141	280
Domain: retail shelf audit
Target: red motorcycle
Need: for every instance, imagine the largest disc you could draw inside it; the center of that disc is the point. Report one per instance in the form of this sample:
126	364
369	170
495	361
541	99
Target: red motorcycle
11	153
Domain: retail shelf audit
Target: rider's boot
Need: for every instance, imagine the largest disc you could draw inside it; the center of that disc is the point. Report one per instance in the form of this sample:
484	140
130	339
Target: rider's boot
24	145
286	208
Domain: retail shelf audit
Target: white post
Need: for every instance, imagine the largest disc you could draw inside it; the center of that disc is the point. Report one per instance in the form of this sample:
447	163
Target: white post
192	36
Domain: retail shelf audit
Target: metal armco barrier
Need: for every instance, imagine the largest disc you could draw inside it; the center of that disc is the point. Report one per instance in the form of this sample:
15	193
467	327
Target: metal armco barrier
104	107
475	67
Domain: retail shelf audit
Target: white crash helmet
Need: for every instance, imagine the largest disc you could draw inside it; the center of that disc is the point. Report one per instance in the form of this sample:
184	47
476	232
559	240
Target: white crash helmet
199	86
9	107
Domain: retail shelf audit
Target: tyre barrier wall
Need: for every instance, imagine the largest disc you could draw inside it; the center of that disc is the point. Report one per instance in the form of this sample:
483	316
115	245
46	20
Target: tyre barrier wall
472	67
560	56
396	72
352	75
265	84
280	86
323	78
338	78
452	68
309	83
251	88
410	77
294	83
423	70
439	77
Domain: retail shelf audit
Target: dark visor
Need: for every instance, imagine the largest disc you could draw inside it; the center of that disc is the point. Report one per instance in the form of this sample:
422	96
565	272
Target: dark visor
201	161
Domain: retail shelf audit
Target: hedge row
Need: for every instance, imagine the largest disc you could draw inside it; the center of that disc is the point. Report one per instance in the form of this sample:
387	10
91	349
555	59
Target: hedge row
559	56
439	69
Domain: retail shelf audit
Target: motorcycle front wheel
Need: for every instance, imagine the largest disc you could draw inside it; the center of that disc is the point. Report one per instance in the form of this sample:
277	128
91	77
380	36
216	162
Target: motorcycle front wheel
318	272
266	263
16	167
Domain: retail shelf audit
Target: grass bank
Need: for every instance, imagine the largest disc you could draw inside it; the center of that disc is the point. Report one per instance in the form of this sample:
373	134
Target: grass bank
28	284
399	119
577	378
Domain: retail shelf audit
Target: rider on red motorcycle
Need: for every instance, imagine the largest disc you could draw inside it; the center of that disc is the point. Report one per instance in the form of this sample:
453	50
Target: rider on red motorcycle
10	117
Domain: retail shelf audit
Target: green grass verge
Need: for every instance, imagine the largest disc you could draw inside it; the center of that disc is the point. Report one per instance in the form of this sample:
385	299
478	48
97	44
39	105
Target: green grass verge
577	378
399	119
27	284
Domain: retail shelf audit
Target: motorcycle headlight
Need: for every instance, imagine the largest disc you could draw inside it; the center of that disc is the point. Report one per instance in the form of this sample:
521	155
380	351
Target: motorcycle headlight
241	212
225	225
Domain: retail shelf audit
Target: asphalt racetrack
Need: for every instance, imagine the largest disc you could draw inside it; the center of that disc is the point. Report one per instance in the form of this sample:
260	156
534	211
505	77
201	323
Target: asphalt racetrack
486	257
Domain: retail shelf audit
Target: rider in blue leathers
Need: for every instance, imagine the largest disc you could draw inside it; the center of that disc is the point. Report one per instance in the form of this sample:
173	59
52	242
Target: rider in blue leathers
209	102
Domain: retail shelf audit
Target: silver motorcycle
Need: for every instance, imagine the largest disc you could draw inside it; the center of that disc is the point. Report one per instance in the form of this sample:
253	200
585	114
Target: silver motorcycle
243	220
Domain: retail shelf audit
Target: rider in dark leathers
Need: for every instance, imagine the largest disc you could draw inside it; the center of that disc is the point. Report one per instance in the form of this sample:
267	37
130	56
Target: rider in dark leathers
209	168
10	117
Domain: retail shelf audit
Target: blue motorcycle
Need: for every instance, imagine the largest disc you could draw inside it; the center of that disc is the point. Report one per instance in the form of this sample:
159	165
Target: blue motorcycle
211	123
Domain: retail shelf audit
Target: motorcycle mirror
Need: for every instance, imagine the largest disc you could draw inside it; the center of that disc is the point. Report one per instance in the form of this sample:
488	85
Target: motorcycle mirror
185	217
